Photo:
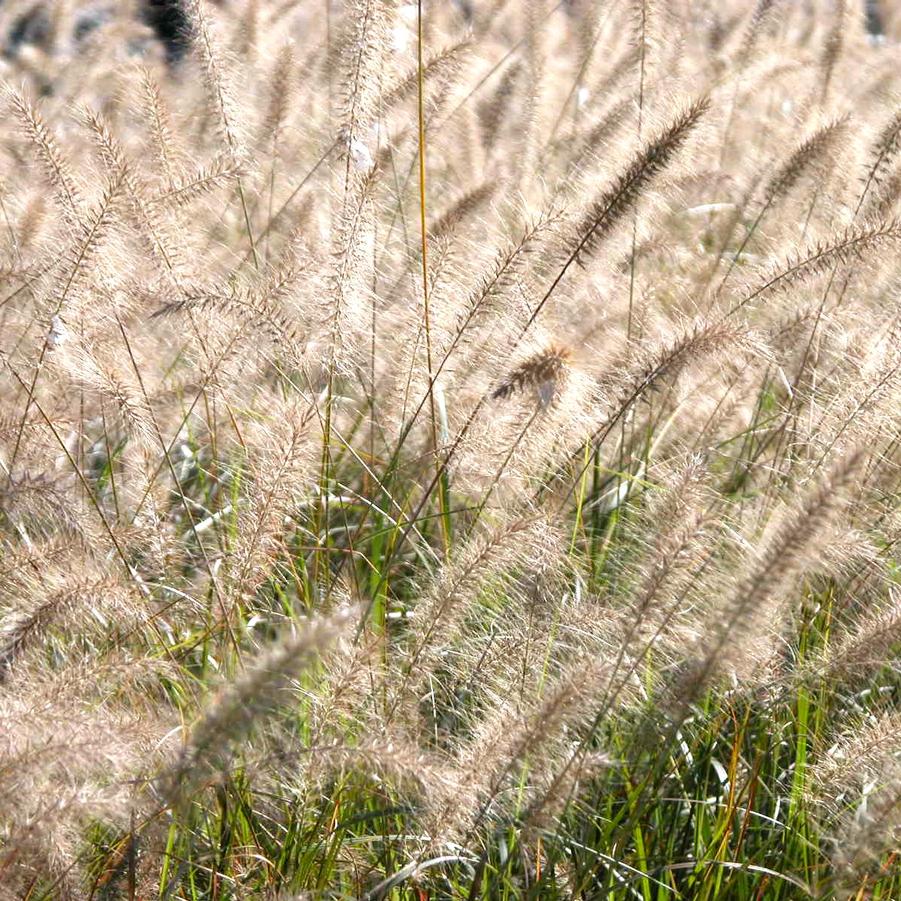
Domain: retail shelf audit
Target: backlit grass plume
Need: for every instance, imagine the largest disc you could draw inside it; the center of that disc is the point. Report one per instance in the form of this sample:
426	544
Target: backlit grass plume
449	450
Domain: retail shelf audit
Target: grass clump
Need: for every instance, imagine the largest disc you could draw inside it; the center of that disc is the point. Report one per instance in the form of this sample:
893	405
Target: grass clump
449	451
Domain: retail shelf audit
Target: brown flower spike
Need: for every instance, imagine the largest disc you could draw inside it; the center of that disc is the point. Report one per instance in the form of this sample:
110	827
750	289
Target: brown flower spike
543	372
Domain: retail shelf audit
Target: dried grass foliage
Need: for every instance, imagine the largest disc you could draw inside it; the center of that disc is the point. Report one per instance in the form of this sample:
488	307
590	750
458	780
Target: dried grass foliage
280	497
